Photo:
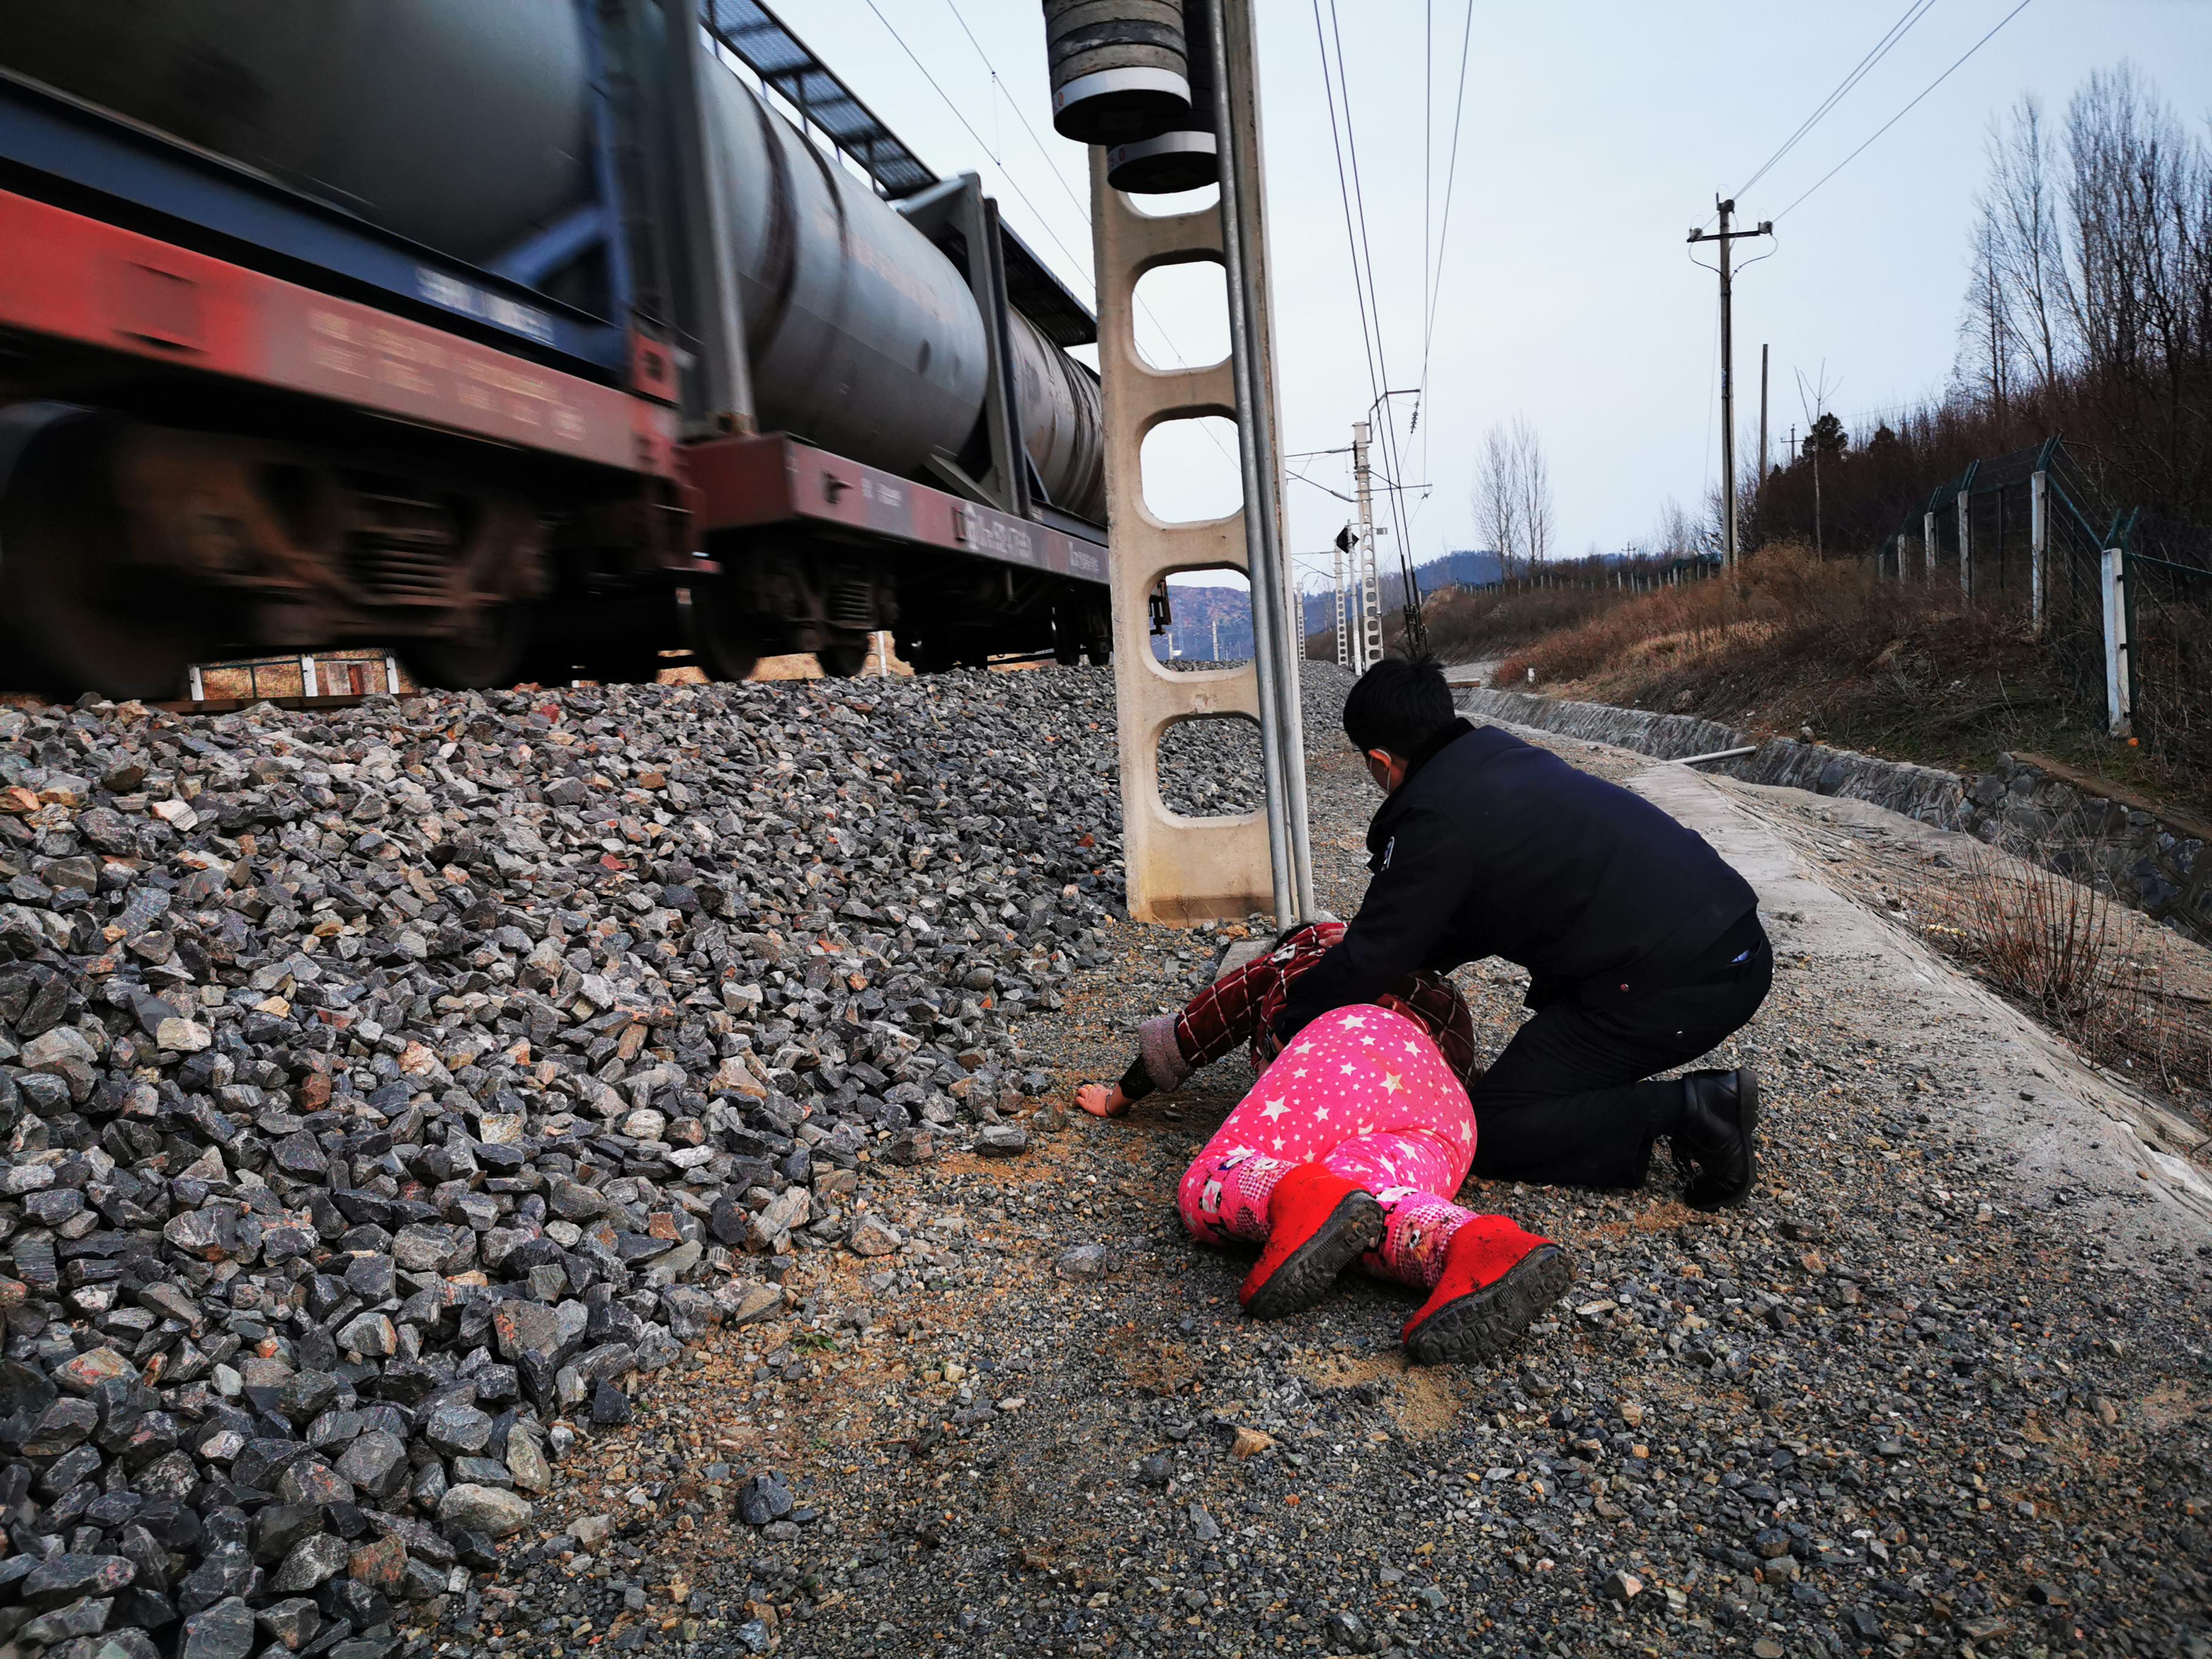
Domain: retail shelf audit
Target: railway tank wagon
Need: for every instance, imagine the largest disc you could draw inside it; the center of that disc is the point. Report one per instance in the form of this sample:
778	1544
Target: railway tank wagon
522	336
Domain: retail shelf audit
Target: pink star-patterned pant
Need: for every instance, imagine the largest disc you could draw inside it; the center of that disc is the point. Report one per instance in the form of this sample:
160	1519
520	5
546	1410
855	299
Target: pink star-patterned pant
1364	1092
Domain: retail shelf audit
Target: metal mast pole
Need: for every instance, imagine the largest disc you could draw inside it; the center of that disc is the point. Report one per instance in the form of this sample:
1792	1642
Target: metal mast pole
1244	247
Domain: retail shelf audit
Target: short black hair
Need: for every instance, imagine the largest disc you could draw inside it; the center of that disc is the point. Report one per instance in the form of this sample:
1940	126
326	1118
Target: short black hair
1398	705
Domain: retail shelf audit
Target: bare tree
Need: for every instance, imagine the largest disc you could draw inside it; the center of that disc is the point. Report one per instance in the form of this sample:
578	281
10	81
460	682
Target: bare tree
2025	243
1513	506
1498	497
1677	536
1534	472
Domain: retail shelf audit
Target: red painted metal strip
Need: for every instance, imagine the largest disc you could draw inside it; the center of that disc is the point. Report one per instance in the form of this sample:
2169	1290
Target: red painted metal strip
748	482
75	278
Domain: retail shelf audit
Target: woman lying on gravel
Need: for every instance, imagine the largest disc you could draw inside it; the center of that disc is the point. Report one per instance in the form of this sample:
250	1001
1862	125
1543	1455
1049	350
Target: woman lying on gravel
1349	1146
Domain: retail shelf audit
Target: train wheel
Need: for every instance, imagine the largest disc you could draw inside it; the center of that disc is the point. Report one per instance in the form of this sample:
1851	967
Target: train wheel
725	639
843	658
76	615
490	653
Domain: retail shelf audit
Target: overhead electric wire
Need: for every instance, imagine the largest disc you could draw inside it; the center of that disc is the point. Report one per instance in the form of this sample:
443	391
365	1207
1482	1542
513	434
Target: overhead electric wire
1428	145
1451	178
1380	366
1880	49
1910	107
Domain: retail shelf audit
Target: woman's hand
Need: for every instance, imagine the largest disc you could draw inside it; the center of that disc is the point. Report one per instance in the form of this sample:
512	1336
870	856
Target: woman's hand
1101	1099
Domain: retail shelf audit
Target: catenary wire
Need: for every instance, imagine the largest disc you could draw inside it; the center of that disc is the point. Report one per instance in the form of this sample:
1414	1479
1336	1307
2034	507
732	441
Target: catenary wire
1389	425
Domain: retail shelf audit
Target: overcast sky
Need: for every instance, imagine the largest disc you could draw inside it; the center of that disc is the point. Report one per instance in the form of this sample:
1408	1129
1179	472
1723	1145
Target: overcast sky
1594	137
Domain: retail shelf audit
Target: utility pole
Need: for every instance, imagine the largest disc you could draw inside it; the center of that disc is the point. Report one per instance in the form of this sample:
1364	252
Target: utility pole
1727	238
1762	415
1367	600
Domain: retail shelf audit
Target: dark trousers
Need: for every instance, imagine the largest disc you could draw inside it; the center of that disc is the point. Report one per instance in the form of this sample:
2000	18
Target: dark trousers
1565	1104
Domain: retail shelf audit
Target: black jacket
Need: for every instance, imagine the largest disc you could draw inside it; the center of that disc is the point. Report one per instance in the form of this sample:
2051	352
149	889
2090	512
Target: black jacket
1494	848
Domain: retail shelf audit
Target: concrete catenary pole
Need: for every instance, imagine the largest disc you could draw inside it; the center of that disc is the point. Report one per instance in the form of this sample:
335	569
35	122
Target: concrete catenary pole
1244	247
1367	600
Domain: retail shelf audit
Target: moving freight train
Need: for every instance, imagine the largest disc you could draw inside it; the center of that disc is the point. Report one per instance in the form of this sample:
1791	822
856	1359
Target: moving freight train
523	337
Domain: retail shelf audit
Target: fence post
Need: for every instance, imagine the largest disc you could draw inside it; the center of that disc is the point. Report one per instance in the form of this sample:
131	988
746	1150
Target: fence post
391	675
1928	546
2039	544
2117	700
309	686
195	685
1964	510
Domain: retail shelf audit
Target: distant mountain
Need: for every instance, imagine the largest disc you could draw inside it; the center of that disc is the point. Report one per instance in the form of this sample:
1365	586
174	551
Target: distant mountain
1462	569
1198	608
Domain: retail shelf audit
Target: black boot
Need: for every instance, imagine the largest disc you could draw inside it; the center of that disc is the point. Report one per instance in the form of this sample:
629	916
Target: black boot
1720	1116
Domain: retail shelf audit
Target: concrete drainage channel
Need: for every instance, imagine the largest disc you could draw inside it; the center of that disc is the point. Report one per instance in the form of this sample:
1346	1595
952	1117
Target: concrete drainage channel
2157	863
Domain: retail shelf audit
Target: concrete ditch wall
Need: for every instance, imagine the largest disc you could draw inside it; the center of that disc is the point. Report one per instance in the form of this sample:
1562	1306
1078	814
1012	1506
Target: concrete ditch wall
2162	867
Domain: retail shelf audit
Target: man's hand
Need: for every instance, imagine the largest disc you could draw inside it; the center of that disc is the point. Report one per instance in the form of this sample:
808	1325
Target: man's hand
1101	1099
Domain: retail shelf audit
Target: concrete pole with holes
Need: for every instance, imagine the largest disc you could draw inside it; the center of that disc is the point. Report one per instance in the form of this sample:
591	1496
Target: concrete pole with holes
1366	600
1186	870
1927	547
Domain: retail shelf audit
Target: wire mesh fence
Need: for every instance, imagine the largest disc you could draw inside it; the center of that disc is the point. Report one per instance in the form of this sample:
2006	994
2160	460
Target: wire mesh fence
2168	581
2079	528
2123	601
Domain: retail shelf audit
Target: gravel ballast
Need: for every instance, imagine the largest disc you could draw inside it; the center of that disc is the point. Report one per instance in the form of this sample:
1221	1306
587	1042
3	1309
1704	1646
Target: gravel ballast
521	1174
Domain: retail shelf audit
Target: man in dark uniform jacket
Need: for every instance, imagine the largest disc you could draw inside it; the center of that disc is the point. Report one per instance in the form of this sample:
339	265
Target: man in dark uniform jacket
1644	949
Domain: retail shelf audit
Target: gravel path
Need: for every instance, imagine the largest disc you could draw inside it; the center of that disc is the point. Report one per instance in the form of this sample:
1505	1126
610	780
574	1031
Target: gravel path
954	1381
1901	1402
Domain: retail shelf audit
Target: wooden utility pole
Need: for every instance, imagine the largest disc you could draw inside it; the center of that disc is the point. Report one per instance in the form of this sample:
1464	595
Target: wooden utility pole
1727	238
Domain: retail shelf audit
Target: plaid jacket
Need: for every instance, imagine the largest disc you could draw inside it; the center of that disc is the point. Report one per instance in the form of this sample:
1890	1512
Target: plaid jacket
1241	1007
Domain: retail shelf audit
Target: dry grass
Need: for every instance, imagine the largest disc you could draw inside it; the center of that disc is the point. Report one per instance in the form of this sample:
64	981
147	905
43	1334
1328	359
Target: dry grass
1475	625
2074	957
1907	671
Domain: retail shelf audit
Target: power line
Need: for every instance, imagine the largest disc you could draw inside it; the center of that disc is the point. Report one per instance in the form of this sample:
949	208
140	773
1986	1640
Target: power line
1897	32
1366	248
1444	234
1910	107
1344	195
1428	144
1451	178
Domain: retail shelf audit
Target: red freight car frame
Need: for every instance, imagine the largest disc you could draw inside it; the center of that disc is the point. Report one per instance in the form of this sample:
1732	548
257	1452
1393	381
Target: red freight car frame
739	483
74	278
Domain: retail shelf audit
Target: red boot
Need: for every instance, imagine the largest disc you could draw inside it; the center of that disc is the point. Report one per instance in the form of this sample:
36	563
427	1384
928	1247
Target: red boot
1316	1223
1497	1279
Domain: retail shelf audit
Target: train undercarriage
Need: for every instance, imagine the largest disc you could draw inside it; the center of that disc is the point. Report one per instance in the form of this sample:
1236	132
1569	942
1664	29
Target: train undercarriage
130	548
